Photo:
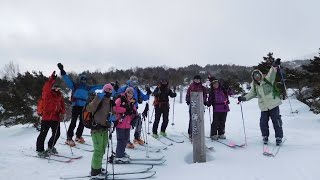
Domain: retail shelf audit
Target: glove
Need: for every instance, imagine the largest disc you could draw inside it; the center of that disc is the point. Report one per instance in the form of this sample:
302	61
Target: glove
60	66
112	117
116	86
207	103
148	90
241	98
53	75
145	111
188	103
174	94
276	63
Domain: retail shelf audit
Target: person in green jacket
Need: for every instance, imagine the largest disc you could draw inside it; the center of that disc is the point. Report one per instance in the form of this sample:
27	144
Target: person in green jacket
268	99
101	107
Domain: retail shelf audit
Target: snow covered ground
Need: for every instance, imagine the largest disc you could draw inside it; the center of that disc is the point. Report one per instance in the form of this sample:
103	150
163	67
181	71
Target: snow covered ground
298	157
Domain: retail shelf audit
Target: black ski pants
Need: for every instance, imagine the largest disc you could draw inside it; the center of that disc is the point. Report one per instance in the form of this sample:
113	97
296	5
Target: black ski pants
218	123
76	112
45	126
161	109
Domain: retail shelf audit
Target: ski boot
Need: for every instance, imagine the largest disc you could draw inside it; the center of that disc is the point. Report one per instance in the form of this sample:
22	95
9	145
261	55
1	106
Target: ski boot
278	141
265	140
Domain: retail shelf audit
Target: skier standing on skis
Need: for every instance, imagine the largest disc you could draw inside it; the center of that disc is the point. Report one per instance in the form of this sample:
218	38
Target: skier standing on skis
218	98
101	107
79	97
140	97
195	86
125	111
162	106
268	99
52	109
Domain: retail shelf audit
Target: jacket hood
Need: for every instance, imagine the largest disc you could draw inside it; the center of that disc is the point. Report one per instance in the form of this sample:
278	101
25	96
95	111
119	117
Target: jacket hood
254	72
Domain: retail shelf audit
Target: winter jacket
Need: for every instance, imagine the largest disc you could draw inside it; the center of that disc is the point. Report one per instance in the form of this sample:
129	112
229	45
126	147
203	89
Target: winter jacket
80	91
53	106
101	115
124	114
196	87
137	94
162	94
264	91
219	99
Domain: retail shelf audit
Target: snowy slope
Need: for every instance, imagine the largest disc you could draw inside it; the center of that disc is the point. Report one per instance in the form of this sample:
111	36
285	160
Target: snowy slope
297	159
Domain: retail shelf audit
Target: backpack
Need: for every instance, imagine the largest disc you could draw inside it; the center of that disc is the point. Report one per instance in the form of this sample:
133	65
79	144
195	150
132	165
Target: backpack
88	117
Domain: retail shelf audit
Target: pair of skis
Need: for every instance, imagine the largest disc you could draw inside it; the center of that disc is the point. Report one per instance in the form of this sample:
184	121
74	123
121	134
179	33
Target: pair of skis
55	157
142	173
228	143
275	150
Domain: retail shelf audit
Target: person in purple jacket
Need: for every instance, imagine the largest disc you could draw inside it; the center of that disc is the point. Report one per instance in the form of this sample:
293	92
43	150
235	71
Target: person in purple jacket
195	86
218	98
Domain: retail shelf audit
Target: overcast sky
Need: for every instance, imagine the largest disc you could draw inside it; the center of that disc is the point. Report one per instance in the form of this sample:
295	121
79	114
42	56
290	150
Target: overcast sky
99	34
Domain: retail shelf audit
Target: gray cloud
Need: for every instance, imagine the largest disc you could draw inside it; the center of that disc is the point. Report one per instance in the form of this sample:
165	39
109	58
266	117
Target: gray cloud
97	35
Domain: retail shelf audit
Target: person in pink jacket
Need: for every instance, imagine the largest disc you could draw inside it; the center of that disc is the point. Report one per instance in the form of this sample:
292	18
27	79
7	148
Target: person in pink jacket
125	112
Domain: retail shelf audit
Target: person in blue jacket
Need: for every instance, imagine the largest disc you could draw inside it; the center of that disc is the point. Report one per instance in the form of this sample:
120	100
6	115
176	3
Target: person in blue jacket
79	96
140	97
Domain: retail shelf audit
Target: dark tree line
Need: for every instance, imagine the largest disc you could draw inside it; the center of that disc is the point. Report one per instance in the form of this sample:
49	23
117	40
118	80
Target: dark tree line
19	95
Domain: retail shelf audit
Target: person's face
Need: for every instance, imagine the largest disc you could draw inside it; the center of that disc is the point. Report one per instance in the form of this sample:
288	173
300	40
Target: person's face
129	94
215	84
196	80
257	76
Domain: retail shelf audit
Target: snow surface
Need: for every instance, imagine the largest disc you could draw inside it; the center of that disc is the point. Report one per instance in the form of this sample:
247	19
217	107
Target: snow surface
297	159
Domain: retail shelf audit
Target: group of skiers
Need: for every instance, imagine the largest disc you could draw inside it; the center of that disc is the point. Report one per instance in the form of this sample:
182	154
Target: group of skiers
117	108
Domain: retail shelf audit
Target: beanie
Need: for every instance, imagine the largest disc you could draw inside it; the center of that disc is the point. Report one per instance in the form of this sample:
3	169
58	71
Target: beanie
107	87
130	89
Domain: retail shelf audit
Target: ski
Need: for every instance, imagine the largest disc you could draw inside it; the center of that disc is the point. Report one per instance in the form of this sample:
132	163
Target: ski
274	151
63	160
144	162
187	136
77	147
174	139
66	156
163	141
228	143
147	158
111	174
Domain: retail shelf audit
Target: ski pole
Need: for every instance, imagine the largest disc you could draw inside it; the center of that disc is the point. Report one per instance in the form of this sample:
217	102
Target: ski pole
53	142
146	136
110	138
65	127
244	128
173	111
108	147
285	87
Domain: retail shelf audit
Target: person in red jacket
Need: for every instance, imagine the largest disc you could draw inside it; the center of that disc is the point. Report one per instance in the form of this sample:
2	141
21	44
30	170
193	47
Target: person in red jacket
52	110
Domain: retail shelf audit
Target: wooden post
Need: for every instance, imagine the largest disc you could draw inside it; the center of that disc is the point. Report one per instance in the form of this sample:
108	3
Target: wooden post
197	125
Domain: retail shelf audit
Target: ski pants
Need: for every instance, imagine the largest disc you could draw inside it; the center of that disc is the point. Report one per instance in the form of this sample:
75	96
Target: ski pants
138	127
122	139
76	112
219	123
100	141
45	126
161	109
275	116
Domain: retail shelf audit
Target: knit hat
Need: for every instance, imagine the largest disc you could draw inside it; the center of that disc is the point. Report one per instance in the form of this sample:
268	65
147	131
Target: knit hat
133	78
129	89
197	77
107	87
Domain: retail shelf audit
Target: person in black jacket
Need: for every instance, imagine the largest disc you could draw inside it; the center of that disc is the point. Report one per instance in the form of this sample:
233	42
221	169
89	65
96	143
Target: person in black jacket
161	105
